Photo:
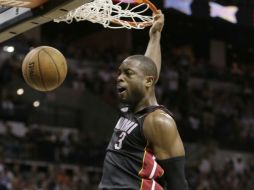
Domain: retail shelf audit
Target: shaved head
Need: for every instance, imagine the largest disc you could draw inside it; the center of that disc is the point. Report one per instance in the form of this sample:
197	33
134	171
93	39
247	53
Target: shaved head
145	64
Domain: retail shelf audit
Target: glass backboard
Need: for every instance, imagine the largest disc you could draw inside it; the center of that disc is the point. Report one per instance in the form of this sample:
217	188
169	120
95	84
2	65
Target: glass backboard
18	16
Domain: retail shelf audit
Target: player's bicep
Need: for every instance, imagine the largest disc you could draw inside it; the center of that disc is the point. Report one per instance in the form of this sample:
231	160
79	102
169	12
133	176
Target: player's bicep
163	137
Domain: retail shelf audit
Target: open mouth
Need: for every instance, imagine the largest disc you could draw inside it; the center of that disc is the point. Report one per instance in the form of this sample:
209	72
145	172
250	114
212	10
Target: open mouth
120	90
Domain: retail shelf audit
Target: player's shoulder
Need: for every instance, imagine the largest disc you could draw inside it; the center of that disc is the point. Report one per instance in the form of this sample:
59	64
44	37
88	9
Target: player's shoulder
160	117
160	120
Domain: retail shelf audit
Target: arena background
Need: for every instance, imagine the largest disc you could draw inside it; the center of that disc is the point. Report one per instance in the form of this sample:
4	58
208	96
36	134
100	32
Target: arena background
57	140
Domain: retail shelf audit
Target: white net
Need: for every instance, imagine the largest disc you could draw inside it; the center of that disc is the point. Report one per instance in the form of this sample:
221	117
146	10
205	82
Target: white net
110	15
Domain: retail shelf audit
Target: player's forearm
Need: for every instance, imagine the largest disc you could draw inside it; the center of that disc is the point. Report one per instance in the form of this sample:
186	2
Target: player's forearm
153	50
174	173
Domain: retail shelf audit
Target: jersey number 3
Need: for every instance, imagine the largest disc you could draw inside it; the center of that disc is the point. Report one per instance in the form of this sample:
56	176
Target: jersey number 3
119	143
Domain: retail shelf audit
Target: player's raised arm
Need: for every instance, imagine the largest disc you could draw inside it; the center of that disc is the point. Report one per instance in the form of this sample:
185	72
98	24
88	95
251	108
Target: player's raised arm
153	50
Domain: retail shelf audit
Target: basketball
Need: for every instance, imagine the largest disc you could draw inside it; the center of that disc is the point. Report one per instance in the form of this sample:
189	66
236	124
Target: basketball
44	68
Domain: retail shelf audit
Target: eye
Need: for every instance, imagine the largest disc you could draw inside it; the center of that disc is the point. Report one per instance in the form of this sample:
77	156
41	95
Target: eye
129	72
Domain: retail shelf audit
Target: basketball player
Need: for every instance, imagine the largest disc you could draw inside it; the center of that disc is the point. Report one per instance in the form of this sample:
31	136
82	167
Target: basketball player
145	147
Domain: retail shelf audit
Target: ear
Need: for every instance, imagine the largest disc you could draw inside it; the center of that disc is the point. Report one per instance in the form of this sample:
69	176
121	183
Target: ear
149	81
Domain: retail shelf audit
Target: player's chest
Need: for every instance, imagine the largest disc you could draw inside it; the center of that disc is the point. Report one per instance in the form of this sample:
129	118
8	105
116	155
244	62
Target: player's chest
127	132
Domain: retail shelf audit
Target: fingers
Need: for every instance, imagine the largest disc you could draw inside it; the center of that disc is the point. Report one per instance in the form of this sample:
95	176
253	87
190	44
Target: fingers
158	23
159	12
159	16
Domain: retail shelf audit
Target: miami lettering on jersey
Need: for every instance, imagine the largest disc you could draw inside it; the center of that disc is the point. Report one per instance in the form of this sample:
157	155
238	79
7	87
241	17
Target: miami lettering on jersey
126	125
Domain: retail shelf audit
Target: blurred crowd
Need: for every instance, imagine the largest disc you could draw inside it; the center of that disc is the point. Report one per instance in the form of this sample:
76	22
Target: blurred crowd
42	143
233	175
37	176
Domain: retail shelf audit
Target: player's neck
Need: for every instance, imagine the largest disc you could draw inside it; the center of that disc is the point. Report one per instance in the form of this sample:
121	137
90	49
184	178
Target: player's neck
149	100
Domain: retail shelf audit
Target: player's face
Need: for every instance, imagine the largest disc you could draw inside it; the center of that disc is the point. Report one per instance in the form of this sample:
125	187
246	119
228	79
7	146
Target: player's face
130	82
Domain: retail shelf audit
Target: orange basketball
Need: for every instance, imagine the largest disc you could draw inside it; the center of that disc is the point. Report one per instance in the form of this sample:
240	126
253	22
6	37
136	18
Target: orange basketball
44	68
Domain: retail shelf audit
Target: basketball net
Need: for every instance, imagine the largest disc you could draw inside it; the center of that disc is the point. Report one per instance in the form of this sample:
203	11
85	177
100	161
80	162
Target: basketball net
136	14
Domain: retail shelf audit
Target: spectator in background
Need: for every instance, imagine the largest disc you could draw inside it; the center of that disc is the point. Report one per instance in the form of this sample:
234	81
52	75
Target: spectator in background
205	166
239	166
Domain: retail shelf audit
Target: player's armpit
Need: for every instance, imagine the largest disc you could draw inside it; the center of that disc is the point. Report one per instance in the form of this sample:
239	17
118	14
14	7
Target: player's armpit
162	135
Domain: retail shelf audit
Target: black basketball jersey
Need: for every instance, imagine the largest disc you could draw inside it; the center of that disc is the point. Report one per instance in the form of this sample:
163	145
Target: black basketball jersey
129	163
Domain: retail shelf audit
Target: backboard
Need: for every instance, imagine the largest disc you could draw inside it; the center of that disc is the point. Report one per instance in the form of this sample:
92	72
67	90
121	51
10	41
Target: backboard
18	16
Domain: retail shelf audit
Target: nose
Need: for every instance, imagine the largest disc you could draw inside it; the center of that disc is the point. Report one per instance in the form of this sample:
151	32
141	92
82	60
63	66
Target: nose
120	78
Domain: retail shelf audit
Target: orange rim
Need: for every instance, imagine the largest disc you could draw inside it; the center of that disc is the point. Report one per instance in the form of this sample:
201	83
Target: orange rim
142	24
151	5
